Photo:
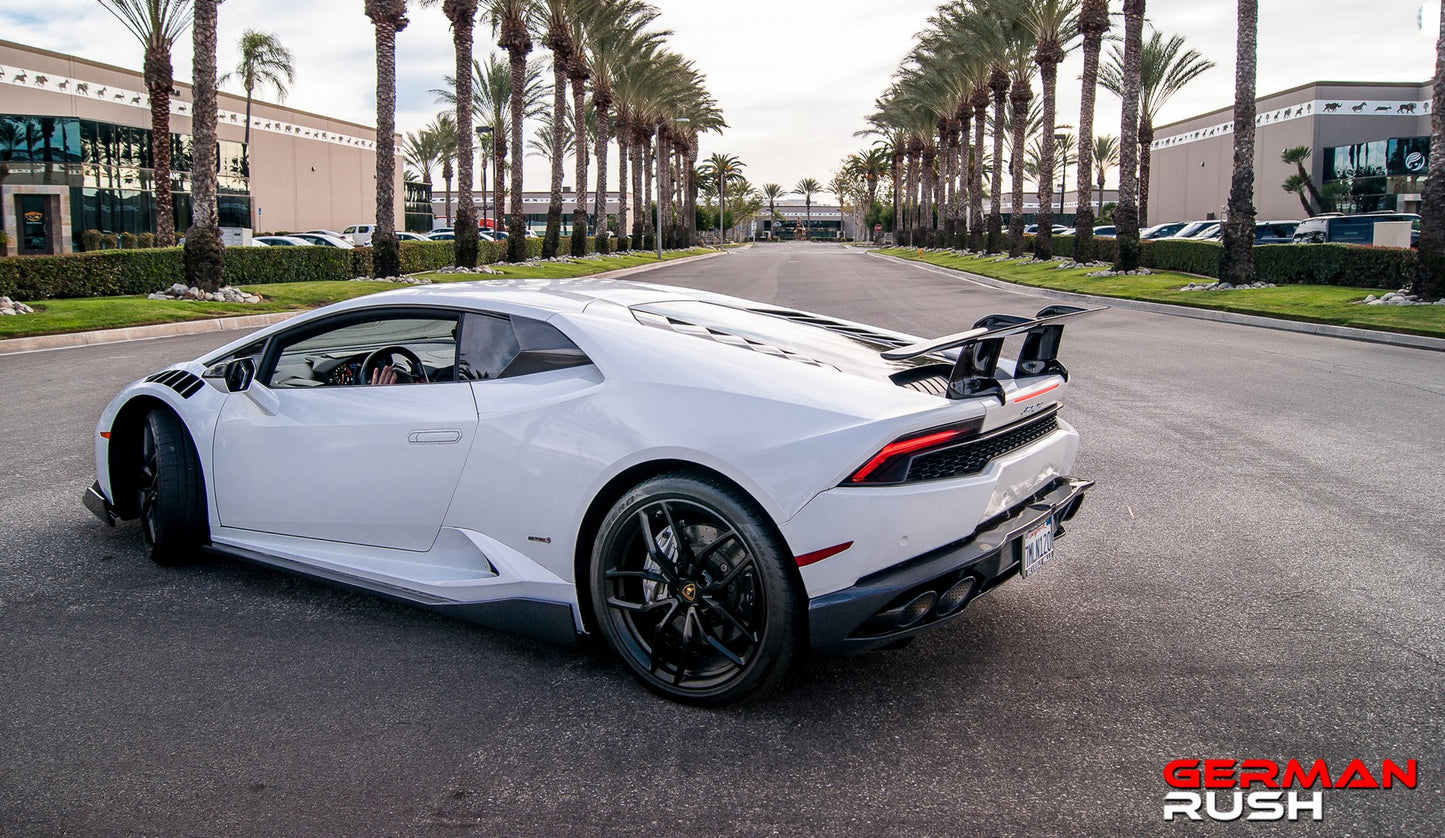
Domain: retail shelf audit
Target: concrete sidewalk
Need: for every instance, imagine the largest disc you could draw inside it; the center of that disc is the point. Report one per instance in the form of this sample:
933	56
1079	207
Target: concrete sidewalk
236	324
1323	329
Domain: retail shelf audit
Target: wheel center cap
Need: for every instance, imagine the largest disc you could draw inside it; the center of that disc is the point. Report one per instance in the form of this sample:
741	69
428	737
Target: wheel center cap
689	592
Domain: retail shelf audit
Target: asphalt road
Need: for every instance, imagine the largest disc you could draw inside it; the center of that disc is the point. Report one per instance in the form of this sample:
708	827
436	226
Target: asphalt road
1257	576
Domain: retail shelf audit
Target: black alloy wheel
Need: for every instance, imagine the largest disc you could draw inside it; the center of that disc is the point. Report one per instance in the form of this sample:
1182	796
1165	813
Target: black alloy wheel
690	589
173	514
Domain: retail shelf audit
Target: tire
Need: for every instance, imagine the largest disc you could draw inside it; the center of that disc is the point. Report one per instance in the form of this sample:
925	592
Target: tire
708	620
172	493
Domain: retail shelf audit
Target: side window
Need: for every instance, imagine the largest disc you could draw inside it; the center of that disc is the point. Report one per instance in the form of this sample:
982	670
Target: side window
387	348
496	346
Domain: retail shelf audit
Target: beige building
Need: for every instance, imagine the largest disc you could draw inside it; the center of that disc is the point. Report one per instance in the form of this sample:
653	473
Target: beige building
1370	145
75	154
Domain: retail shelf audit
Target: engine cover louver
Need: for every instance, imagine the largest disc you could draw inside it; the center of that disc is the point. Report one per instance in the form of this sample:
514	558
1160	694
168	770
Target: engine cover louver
179	380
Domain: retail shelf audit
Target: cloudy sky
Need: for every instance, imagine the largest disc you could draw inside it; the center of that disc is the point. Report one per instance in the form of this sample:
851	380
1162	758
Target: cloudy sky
795	79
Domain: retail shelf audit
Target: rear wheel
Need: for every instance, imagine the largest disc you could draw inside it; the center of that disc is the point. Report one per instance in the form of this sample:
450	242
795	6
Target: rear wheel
690	588
172	493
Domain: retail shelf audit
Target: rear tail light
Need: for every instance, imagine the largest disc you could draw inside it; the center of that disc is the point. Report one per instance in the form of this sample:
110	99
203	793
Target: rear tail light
891	464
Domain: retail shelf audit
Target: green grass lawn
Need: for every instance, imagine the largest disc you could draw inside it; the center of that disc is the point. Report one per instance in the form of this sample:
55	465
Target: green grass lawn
92	313
1333	304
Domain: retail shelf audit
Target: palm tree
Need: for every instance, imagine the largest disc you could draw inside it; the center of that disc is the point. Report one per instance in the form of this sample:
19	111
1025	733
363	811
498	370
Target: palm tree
771	193
510	20
808	187
721	168
157	24
1126	214
844	186
462	16
389	18
1093	25
1054	24
1301	183
1429	280
264	63
1237	264
1165	67
443	132
871	166
557	38
1106	156
419	150
205	253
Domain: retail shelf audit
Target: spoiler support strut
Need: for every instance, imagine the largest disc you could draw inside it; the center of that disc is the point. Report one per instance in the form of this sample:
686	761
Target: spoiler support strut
974	373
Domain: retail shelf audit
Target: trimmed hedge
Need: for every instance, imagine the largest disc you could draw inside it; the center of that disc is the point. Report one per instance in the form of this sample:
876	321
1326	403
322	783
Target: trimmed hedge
1335	264
103	273
109	273
1183	255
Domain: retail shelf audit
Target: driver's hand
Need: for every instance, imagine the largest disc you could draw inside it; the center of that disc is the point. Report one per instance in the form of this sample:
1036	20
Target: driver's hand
384	375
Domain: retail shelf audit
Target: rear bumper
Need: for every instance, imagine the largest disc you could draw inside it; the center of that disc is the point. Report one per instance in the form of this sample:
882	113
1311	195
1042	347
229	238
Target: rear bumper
849	620
95	500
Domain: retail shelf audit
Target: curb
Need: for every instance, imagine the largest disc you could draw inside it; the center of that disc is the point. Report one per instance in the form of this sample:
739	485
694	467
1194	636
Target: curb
39	343
1255	320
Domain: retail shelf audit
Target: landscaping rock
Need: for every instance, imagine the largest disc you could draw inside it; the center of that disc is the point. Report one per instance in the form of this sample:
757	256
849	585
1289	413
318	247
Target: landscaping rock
402	280
225	294
10	308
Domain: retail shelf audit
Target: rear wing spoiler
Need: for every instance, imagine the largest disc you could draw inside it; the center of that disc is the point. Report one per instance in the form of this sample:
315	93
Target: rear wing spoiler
978	350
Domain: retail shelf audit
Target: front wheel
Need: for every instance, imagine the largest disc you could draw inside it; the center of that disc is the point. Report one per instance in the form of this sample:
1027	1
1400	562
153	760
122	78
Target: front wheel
690	588
172	492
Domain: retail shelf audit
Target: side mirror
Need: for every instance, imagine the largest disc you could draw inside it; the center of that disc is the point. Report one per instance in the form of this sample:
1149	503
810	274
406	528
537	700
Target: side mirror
239	374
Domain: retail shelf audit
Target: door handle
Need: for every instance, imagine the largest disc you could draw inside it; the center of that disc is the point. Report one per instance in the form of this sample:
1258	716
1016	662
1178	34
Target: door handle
438	437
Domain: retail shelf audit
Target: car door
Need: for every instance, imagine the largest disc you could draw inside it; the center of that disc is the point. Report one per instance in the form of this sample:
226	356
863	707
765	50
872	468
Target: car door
313	449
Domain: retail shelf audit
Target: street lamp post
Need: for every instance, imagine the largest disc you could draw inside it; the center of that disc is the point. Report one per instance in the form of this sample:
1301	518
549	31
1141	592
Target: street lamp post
482	131
657	205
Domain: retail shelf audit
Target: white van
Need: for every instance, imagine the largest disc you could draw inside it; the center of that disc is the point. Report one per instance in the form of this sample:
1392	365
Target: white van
359	234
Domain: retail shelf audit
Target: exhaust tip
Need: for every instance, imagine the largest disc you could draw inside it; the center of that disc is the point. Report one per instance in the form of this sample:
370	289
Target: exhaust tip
917	608
956	597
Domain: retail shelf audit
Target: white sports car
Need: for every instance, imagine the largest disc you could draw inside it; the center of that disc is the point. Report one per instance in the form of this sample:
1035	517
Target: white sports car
713	485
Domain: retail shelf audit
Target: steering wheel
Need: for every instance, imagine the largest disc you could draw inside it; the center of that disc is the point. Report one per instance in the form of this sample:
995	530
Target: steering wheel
387	356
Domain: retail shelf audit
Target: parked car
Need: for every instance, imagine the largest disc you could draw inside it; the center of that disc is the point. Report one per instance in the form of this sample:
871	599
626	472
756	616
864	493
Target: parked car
1058	230
1159	231
1210	233
489	236
1275	232
1352	229
324	240
441	236
324	232
712	485
408	236
1105	232
1192	229
359	234
440	230
279	241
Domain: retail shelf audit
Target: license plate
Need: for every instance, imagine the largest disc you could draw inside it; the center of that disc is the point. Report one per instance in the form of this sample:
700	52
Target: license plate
1037	546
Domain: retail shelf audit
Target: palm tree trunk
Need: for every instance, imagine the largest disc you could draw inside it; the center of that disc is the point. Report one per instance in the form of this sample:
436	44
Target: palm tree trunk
205	253
1019	96
579	132
897	179
929	174
1126	214
1146	140
691	209
1237	264
553	236
645	161
623	206
1429	280
912	199
639	198
602	101
977	225
1044	240
1093	24
159	78
999	84
499	172
461	13
389	19
516	212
